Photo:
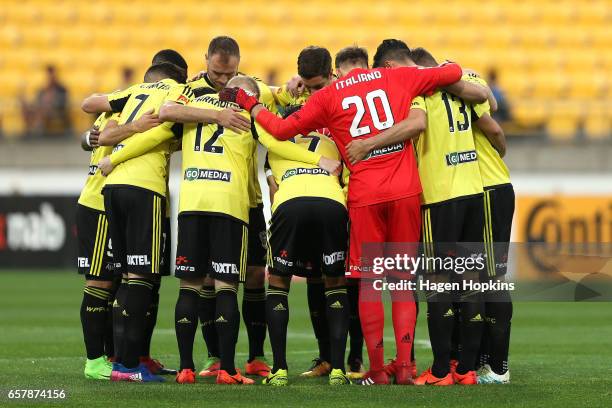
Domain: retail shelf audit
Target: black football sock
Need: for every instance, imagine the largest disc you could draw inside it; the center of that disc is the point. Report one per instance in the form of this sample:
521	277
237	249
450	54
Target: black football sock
109	343
119	319
484	351
227	321
207	320
138	301
277	318
456	336
93	319
440	321
316	305
186	324
471	324
151	321
356	343
498	321
254	315
337	307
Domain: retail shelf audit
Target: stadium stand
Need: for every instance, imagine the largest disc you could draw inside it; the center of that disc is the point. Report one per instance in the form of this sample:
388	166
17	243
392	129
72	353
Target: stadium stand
553	56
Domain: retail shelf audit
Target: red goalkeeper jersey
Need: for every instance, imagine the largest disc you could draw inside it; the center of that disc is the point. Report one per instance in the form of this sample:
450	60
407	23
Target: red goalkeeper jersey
361	105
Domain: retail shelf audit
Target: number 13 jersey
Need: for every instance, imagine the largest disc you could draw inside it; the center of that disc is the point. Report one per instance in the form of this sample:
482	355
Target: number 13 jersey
446	155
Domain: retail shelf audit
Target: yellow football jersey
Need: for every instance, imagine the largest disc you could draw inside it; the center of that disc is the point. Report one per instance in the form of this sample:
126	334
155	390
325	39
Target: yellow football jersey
91	195
284	98
217	163
266	97
493	170
142	159
446	154
296	179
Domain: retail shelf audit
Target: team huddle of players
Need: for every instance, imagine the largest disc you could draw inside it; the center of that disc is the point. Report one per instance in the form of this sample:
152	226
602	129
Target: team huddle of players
342	170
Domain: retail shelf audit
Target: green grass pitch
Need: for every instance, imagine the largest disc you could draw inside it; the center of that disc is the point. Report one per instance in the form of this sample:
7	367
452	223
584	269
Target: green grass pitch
561	355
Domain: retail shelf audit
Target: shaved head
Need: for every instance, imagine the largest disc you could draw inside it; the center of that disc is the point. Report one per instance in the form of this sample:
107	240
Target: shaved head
245	82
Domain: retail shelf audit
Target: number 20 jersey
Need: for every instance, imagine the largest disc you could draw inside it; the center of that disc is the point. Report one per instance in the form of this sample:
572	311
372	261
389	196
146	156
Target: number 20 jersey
215	169
360	105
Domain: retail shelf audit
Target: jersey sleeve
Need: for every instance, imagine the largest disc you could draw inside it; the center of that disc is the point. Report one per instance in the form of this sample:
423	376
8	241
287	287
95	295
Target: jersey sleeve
283	96
117	100
287	150
478	109
425	80
266	96
345	180
312	116
141	143
181	94
418	103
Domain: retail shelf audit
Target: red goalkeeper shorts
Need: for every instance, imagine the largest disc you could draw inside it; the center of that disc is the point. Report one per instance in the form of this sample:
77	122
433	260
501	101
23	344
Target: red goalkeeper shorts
374	229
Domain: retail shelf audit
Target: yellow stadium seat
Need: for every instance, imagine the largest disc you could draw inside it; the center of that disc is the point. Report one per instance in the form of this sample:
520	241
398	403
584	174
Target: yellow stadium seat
550	85
588	87
532	114
561	128
598	127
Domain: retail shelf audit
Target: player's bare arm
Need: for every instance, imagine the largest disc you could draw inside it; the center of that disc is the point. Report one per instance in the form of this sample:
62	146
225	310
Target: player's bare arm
492	100
493	132
96	103
229	118
272	186
490	97
114	133
407	129
468	91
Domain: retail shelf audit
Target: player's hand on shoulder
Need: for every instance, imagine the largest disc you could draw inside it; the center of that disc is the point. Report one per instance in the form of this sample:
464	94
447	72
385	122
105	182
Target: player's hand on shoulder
232	119
330	165
89	140
106	166
147	121
239	96
295	86
199	75
357	150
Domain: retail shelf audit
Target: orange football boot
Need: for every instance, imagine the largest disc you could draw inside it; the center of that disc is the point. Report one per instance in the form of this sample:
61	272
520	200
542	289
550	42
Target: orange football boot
186	376
469	378
427	378
223	377
257	367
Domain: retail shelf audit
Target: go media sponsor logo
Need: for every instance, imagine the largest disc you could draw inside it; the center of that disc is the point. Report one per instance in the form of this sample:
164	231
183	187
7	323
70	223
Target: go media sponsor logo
456	158
301	171
42	230
383	151
194	173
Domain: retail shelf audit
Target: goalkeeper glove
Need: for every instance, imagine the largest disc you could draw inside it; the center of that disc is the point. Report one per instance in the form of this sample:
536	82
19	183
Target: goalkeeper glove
239	96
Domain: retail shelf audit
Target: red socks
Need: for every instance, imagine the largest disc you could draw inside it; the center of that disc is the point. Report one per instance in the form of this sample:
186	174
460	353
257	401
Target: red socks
404	320
372	315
